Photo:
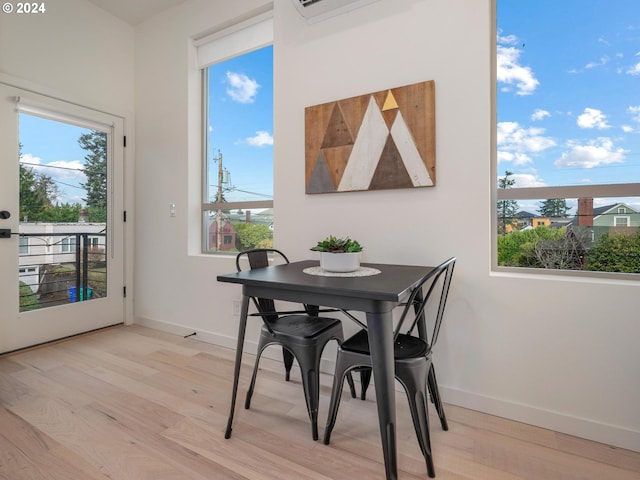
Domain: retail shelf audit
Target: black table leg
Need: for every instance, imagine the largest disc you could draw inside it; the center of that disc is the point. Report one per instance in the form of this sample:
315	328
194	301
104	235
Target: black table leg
380	327
242	327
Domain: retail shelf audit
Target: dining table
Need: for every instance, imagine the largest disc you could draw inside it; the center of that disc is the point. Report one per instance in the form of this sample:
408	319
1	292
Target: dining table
374	289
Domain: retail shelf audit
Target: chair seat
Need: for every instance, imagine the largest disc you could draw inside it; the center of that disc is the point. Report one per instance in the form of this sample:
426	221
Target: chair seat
406	346
303	326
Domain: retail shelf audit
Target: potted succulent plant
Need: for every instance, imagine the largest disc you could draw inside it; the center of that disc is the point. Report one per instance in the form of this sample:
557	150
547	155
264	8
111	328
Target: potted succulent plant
339	254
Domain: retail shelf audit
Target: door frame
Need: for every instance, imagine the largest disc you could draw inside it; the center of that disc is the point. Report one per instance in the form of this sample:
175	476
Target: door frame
117	211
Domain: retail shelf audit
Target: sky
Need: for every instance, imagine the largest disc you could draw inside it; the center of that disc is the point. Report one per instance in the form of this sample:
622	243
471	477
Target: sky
568	92
241	126
568	105
51	148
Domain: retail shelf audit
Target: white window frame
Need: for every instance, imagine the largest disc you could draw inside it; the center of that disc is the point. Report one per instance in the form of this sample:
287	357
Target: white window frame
537	193
24	246
240	38
66	243
626	218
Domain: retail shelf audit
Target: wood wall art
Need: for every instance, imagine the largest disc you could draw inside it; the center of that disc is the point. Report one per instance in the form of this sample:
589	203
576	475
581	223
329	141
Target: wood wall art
377	141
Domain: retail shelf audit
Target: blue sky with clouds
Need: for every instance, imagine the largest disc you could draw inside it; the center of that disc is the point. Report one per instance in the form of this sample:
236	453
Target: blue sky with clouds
568	104
51	148
568	91
241	125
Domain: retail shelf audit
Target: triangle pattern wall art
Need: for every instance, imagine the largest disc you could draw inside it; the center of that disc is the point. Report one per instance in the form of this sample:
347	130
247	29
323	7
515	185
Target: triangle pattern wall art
377	141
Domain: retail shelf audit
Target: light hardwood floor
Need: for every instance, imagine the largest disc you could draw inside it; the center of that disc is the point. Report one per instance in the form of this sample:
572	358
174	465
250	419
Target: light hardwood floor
131	403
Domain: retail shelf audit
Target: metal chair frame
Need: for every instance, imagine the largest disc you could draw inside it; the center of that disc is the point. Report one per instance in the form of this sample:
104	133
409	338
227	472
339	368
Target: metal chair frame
413	359
302	334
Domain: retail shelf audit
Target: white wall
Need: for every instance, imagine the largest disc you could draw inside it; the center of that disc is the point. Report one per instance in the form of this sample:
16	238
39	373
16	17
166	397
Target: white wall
554	352
75	51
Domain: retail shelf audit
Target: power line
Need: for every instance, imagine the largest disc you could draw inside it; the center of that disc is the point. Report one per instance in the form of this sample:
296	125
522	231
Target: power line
52	166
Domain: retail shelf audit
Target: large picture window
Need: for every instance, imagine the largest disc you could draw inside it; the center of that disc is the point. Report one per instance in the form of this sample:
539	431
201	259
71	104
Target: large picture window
567	136
237	79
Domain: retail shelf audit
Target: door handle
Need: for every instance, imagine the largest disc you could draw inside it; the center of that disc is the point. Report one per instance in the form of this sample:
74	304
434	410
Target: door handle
5	233
4	214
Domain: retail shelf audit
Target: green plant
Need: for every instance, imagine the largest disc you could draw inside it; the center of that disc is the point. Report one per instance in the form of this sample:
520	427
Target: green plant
616	252
338	245
28	299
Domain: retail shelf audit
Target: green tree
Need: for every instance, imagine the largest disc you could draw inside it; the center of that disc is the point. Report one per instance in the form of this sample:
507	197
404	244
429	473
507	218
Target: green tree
618	252
249	235
37	192
554	207
507	209
61	213
95	169
517	248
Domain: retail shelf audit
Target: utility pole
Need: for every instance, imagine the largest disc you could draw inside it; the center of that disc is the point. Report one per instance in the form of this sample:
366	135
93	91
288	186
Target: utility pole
219	200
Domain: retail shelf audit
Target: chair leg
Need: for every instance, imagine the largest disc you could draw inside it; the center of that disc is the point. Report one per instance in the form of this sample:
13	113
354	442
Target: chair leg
414	382
336	393
311	385
435	397
247	401
288	363
420	416
352	386
365	378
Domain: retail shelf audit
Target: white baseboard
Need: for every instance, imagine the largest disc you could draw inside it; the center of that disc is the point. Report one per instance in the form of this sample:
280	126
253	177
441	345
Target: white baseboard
560	422
250	346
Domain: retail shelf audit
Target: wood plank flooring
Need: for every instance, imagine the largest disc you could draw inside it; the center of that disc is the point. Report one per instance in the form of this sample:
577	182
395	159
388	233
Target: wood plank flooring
131	403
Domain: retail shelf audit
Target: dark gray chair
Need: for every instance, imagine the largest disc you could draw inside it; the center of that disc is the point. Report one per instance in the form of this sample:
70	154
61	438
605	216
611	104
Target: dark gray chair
413	356
302	334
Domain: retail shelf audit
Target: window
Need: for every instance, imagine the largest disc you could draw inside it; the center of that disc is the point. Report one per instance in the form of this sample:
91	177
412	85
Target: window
237	77
68	245
621	221
567	135
24	246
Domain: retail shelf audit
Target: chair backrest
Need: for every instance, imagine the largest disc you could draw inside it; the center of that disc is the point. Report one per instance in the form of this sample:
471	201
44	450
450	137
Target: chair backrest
259	258
437	281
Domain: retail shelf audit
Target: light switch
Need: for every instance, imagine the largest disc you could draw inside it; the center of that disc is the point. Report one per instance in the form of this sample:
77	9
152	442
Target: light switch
172	209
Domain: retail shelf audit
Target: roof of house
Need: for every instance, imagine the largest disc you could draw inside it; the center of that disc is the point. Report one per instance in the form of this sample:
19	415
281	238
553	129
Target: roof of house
602	210
523	214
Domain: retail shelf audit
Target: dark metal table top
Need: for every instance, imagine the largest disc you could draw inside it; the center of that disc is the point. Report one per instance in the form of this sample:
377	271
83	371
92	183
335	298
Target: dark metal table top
392	284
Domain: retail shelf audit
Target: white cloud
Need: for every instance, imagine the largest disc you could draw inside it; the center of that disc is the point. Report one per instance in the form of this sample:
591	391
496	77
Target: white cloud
66	170
635	70
260	139
29	160
592	118
540	114
515	158
595	153
627	128
241	88
635	111
515	143
507	39
603	61
509	70
524	180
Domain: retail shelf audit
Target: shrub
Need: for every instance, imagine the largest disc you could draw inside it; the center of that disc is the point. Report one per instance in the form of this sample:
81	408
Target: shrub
28	299
516	249
618	252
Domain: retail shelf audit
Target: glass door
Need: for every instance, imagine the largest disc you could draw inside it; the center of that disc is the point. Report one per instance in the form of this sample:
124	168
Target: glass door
61	219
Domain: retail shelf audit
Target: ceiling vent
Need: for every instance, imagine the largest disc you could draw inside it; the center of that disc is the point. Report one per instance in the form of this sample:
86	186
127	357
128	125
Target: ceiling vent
317	10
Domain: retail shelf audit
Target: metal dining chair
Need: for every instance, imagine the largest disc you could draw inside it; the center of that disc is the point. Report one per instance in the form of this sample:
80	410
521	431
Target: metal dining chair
302	334
412	356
